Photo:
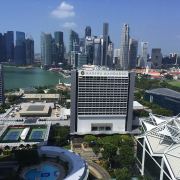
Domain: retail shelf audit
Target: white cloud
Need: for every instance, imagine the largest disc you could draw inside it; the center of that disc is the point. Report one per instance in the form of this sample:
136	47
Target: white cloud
69	25
64	10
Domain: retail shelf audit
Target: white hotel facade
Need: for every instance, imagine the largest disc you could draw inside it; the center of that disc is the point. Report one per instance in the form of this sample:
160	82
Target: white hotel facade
101	101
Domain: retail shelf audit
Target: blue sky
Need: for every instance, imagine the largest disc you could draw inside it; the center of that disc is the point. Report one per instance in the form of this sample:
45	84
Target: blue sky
154	21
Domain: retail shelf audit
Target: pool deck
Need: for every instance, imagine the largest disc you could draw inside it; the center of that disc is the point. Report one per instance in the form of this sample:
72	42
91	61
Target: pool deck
78	168
49	162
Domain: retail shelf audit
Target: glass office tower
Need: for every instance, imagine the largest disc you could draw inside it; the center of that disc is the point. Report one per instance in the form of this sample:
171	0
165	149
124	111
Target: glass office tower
20	49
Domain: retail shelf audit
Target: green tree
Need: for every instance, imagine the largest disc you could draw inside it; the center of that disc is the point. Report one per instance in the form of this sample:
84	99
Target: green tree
27	157
89	138
13	98
59	135
96	149
122	174
127	140
126	153
141	113
7	147
169	76
2	110
109	151
162	111
40	91
5	106
52	91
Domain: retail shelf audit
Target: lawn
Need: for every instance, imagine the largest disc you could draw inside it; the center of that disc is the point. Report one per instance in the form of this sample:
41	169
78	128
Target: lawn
174	83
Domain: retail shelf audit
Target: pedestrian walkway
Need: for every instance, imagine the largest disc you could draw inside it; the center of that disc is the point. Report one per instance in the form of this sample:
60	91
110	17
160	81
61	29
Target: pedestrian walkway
87	153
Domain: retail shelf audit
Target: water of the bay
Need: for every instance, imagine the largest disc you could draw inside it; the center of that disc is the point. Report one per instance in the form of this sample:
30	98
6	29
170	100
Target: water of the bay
15	77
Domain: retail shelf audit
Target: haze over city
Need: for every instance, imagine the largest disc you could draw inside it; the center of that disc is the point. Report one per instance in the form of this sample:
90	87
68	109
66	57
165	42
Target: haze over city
152	21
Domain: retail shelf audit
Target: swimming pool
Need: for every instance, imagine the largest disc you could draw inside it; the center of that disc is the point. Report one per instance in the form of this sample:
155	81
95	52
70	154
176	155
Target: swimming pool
43	172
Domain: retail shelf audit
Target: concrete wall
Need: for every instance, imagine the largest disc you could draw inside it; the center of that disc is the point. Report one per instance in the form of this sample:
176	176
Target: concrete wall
118	124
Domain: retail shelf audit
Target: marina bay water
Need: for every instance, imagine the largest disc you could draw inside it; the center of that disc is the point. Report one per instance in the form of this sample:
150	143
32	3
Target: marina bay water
16	77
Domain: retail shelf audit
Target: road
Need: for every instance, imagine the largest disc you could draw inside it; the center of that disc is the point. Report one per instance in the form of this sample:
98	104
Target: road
97	171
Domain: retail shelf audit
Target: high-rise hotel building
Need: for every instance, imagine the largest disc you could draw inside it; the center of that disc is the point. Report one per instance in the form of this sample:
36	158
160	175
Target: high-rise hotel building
101	101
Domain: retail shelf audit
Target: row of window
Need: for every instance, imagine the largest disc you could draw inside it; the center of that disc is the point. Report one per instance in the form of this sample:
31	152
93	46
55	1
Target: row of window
101	128
101	105
103	99
104	108
103	113
102	90
103	83
108	88
105	95
103	78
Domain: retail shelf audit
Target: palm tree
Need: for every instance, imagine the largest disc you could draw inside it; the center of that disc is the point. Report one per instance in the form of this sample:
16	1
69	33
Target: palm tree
21	146
7	147
14	148
28	146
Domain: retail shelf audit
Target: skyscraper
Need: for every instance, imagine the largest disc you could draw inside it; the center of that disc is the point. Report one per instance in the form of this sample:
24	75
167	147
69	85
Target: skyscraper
46	49
73	40
82	45
82	59
144	55
105	43
87	31
2	48
116	56
124	48
20	49
29	51
98	49
101	101
74	59
156	57
133	50
74	48
110	54
89	49
59	43
9	45
1	85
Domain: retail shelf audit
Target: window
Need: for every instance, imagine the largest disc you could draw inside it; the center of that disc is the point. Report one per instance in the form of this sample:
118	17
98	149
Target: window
108	128
101	127
94	128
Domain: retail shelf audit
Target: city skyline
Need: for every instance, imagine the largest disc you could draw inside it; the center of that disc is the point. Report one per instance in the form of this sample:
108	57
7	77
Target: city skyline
39	16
